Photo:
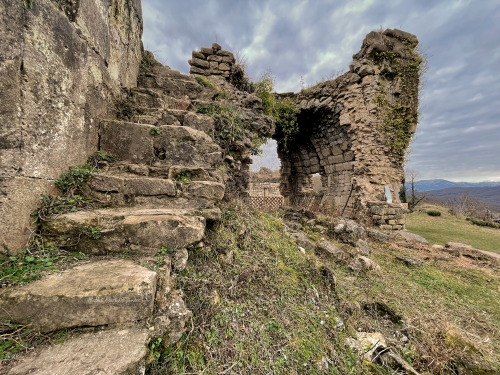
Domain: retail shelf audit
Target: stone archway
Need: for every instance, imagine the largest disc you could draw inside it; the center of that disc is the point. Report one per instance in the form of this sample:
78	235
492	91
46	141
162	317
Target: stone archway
354	130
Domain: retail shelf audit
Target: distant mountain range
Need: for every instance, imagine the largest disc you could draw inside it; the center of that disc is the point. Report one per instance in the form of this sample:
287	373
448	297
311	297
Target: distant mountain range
429	185
488	192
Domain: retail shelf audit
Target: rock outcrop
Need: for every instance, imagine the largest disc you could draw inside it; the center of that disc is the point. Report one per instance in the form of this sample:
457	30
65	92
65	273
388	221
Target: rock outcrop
61	64
166	169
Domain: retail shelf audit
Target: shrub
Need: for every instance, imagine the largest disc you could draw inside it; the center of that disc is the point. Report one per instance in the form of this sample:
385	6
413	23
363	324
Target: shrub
484	223
204	82
228	123
155	131
125	108
263	90
99	158
284	111
434	213
287	126
184	177
239	79
147	63
75	181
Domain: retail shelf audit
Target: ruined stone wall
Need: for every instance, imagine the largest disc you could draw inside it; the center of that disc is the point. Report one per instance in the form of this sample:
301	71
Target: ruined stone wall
212	61
354	130
61	63
239	120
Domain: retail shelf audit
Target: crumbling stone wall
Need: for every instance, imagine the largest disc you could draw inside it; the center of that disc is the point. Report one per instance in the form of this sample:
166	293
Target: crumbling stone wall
212	61
354	130
61	64
240	123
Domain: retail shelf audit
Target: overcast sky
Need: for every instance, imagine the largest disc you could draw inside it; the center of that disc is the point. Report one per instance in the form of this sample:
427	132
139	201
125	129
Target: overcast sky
302	42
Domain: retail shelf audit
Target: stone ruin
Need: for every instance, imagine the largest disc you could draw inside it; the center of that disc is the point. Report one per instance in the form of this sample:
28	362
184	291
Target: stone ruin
354	131
169	169
212	61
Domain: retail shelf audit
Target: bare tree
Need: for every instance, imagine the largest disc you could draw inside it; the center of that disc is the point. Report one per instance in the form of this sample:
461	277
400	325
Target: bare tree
468	206
410	196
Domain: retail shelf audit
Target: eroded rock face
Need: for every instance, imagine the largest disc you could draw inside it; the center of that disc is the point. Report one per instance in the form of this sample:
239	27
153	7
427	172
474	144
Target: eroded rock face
60	68
354	130
94	294
120	351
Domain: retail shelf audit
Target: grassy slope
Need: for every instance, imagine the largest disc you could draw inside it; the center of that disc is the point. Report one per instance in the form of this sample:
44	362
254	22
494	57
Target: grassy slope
445	228
260	306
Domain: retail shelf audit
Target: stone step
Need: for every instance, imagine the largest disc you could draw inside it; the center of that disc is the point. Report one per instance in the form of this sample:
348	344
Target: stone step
168	72
177	117
159	146
131	190
93	294
119	351
169	172
145	231
173	86
148	100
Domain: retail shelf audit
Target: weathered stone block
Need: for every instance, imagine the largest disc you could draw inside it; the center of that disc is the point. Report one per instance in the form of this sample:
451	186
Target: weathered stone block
198	55
214	58
225	53
112	352
100	293
205	189
207	51
199	63
228	59
195	70
114	230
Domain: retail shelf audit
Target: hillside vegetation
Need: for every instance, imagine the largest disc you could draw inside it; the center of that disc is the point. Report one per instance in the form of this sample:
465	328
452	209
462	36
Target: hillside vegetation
262	305
445	228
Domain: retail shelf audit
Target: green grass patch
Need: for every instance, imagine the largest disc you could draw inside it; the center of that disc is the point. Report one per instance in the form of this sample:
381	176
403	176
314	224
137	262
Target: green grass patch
204	82
259	306
446	228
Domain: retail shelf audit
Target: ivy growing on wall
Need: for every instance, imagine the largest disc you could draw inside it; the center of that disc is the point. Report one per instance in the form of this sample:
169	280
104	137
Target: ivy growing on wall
398	97
283	110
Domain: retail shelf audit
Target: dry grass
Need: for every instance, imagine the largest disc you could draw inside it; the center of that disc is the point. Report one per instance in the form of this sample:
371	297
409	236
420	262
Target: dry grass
448	299
262	307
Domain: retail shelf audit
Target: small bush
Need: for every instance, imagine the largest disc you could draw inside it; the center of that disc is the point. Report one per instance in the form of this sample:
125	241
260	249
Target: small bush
75	181
125	108
99	158
228	123
147	63
239	79
483	223
184	177
263	90
60	205
287	126
434	213
204	82
155	131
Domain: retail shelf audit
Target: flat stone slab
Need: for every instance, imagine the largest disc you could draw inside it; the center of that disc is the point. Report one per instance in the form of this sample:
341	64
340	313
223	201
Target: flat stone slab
93	294
129	190
413	237
113	352
115	230
133	185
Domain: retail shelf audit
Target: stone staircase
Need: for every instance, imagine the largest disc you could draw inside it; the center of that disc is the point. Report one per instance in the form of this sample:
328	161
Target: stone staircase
158	192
